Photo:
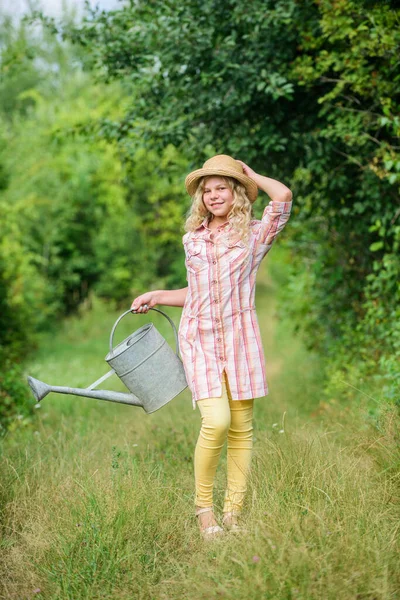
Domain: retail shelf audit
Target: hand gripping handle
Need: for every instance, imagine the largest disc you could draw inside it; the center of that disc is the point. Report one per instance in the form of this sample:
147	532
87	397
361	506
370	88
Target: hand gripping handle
134	312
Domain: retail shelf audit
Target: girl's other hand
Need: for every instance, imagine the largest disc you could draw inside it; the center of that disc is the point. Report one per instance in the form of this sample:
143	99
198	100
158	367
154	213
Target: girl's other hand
247	170
144	302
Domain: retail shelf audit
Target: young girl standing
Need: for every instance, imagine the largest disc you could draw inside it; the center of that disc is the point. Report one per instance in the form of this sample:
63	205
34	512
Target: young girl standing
219	335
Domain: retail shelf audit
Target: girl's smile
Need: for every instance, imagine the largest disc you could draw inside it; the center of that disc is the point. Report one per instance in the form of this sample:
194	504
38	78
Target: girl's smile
217	198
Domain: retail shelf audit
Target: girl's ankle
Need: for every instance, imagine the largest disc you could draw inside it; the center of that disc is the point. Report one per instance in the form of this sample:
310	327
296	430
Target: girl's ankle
206	518
230	518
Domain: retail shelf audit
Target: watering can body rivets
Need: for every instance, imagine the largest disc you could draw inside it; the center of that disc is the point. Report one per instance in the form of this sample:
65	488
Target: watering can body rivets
144	362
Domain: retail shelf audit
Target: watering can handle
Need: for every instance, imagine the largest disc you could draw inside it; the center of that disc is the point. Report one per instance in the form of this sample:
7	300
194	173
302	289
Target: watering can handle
133	312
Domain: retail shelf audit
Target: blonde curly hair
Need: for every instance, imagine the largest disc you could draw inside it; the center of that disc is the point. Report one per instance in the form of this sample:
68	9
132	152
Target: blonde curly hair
239	216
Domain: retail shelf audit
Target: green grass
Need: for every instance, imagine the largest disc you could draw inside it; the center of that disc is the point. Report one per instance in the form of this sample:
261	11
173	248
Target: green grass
97	498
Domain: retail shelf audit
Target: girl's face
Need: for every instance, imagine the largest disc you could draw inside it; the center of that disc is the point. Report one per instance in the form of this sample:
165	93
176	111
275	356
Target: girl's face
217	198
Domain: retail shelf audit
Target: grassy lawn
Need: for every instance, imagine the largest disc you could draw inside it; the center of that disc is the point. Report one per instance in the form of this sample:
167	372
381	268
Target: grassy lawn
97	498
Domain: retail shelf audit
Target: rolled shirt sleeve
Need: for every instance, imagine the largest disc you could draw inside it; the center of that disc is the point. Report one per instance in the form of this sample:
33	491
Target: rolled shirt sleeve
276	215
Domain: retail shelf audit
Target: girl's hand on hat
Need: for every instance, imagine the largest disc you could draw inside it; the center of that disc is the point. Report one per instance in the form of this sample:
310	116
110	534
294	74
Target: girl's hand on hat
248	171
144	302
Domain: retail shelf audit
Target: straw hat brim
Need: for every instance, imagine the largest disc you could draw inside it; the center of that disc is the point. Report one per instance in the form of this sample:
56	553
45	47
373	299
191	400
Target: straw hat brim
192	179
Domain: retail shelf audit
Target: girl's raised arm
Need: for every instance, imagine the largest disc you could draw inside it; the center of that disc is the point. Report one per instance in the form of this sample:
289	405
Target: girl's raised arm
277	212
148	300
276	190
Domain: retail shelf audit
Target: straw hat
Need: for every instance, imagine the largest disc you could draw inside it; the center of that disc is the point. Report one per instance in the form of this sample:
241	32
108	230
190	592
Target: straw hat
225	166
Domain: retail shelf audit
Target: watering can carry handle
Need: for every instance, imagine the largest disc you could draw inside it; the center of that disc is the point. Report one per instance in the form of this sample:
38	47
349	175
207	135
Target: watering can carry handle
133	312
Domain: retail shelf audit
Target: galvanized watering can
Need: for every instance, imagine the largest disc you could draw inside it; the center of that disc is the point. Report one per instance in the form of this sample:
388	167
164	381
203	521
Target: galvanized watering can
144	361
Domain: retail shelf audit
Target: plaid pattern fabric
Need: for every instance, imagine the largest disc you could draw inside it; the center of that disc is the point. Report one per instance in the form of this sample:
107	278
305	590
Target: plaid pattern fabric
219	329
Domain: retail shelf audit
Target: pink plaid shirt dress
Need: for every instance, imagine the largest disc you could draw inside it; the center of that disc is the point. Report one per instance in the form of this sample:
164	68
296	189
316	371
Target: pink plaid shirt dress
219	328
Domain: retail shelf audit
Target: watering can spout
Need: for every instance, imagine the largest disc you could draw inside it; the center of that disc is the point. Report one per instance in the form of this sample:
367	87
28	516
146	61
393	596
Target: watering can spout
41	389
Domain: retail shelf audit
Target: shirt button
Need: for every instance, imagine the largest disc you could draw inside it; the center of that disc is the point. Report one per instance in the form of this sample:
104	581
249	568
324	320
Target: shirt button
214	281
217	320
214	262
218	339
215	301
221	358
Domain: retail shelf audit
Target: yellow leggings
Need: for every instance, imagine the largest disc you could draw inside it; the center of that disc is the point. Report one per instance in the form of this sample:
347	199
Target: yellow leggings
223	418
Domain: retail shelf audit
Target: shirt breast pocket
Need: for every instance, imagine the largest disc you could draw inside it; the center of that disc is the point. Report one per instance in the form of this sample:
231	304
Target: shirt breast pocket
196	257
236	252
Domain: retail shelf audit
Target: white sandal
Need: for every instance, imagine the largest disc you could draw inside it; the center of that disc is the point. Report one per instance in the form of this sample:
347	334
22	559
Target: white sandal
209	532
230	521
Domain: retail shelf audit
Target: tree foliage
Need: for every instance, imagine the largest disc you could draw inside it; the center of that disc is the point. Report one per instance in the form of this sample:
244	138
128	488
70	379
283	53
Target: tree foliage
354	280
73	218
308	92
92	164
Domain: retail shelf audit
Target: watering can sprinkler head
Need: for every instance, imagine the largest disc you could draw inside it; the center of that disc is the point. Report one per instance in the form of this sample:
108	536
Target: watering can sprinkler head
39	388
144	362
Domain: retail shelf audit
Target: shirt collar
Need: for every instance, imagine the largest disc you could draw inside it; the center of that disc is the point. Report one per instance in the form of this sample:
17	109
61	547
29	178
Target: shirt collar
205	224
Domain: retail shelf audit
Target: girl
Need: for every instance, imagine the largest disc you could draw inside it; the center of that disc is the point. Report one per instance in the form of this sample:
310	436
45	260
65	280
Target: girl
219	335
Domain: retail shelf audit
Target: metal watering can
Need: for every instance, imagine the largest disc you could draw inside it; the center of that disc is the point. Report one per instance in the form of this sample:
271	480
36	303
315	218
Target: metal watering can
146	364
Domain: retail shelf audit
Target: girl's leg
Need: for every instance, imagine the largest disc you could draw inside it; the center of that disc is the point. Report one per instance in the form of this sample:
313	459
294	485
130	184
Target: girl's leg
215	421
240	444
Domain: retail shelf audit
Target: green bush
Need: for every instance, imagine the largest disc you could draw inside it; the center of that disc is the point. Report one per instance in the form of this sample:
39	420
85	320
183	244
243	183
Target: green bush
16	400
